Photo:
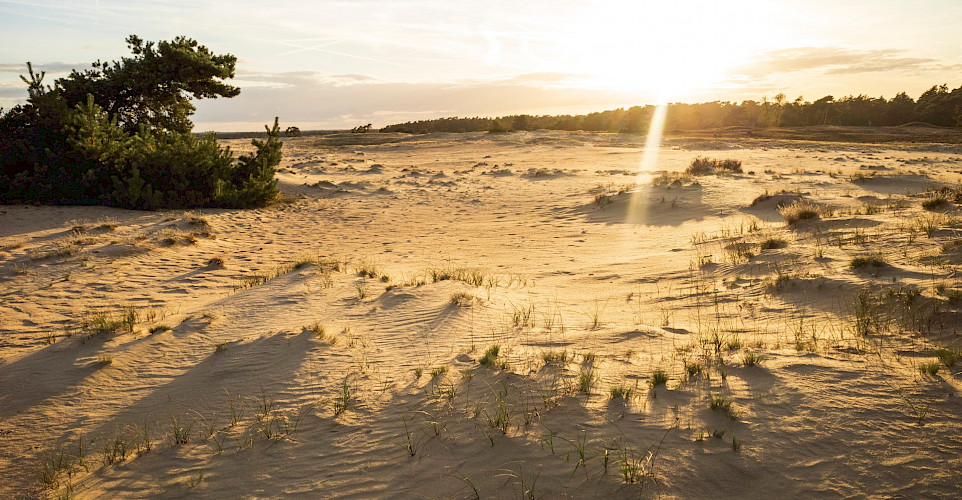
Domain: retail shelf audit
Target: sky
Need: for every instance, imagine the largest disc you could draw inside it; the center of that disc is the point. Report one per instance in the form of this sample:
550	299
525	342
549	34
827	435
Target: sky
342	63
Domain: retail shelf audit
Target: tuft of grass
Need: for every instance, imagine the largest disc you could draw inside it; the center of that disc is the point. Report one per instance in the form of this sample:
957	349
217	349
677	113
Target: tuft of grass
159	329
718	402
948	357
474	276
342	401
586	379
659	377
121	320
621	391
179	433
752	359
462	299
490	357
800	210
105	360
692	369
217	262
220	347
874	261
930	368
317	329
707	166
772	243
555	357
935	202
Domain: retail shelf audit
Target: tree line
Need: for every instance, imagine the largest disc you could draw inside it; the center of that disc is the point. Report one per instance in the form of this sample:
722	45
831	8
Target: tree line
936	106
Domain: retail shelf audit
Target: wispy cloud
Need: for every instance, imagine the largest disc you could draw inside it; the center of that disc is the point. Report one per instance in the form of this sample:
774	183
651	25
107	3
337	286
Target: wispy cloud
832	60
49	67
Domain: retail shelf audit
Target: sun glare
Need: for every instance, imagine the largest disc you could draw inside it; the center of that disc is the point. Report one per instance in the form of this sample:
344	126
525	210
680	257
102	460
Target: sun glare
666	51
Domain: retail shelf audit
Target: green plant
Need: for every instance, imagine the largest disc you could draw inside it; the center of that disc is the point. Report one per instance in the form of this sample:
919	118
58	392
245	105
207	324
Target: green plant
773	243
179	433
936	201
875	261
343	399
707	166
490	356
438	372
462	299
555	357
693	368
522	317
947	357
621	391
930	368
586	379
659	377
413	445
718	402
752	359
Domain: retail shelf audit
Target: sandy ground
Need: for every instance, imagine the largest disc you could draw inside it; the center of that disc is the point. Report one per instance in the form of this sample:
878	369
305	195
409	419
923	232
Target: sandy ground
341	343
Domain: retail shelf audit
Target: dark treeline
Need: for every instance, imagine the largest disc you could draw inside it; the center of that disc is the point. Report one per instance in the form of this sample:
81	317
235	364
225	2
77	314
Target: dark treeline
936	106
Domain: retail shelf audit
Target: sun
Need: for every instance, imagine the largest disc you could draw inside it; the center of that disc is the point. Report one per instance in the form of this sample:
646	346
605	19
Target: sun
666	50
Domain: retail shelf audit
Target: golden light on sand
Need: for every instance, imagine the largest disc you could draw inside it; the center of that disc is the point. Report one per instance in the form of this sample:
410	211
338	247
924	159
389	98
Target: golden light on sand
648	163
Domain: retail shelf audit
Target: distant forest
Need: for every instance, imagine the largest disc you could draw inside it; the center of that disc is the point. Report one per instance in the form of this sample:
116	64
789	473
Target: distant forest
936	106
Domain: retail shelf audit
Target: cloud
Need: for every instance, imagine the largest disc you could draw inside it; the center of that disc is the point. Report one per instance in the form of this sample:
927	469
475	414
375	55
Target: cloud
832	61
50	67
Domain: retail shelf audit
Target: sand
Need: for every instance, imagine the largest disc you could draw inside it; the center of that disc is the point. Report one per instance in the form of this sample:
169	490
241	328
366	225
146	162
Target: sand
334	344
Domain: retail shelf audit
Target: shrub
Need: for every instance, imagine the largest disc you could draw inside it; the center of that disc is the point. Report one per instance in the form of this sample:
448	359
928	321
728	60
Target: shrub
799	211
870	261
659	377
120	135
708	166
934	202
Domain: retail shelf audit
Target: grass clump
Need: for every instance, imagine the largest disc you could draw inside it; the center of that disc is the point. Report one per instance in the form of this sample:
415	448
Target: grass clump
772	243
555	357
708	166
621	391
874	261
490	357
462	299
659	377
752	359
935	202
100	322
586	379
800	210
930	368
718	402
948	357
473	276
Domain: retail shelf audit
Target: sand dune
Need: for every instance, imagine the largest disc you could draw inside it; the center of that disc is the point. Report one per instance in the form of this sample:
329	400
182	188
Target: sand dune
462	316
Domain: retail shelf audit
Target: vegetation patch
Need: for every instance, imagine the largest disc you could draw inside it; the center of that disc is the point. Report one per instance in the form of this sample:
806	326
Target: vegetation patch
709	166
119	134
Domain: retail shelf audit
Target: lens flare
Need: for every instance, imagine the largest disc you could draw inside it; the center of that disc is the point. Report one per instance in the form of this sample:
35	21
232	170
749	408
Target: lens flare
646	167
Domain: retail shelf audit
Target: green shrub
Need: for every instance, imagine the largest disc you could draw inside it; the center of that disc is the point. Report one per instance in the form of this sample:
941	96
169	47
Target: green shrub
120	135
708	166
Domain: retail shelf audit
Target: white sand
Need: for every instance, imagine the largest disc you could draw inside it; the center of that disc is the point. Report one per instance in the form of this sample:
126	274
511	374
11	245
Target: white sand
642	283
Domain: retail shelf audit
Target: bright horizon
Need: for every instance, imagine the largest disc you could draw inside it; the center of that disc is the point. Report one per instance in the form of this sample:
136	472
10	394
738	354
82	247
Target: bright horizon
339	64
